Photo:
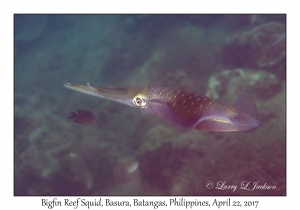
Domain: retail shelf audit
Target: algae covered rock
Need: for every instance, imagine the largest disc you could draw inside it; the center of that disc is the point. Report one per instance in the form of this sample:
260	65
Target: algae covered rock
232	83
263	46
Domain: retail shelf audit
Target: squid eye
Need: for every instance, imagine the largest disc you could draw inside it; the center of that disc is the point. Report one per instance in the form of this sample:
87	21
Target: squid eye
139	101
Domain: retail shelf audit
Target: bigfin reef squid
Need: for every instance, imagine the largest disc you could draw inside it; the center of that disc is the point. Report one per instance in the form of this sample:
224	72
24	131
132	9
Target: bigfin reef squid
186	111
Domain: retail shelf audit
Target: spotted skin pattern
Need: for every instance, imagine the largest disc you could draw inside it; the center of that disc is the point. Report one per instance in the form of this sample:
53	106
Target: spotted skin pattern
198	112
185	105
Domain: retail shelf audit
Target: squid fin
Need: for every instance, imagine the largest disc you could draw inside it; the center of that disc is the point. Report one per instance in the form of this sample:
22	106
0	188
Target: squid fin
245	104
160	109
215	119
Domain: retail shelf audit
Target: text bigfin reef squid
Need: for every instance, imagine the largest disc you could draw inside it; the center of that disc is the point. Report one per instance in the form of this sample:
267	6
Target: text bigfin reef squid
185	111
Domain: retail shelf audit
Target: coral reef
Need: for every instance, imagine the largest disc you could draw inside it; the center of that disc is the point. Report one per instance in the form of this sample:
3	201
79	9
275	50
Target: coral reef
258	84
262	47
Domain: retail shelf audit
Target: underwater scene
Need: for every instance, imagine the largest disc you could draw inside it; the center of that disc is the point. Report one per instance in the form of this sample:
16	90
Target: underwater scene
149	105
